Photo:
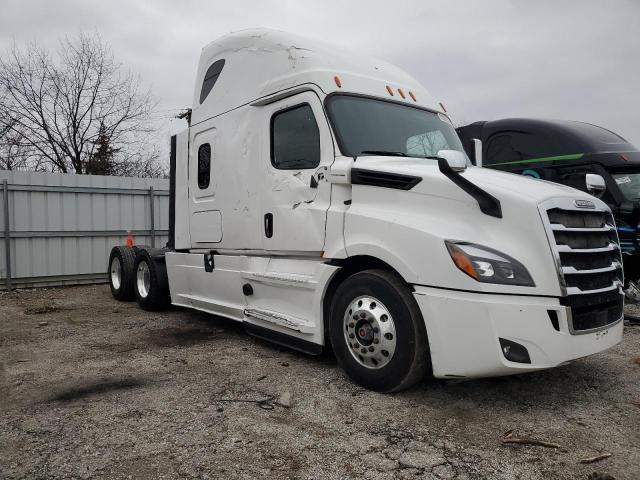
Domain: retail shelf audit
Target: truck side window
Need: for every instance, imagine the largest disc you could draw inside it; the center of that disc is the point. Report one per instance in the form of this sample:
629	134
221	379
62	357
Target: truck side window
507	147
210	78
204	166
575	178
500	149
295	139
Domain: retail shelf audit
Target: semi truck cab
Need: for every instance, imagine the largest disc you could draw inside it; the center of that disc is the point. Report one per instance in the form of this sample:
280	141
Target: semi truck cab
321	197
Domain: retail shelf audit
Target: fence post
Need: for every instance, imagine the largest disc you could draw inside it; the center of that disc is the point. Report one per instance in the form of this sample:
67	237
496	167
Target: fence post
153	218
7	234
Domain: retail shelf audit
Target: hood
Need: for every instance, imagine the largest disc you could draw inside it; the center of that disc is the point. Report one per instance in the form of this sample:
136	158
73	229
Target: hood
506	187
435	209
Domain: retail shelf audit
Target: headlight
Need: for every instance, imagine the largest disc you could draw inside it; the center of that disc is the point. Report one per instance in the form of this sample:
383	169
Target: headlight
487	265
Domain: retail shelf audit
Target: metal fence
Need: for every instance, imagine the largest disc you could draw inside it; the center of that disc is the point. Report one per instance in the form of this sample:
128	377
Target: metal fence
58	229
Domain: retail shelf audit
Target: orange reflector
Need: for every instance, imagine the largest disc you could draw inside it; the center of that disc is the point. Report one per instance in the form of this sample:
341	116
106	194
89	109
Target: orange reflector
389	90
442	107
129	242
461	260
412	96
337	80
401	92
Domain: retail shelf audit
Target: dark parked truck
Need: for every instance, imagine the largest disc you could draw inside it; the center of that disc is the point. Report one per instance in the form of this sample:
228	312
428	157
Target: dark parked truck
567	152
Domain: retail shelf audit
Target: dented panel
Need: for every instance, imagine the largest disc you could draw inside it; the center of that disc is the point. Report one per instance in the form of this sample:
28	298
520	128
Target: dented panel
298	200
232	198
262	62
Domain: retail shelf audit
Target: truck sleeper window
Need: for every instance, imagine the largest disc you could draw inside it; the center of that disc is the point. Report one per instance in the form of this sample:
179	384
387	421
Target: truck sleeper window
295	139
365	124
204	166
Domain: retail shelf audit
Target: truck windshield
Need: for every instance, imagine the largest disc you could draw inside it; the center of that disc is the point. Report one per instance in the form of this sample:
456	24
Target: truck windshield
629	184
366	126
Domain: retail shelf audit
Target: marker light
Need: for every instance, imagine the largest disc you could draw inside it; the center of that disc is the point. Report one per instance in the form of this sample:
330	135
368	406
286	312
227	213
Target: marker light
488	265
389	90
412	96
461	260
337	80
401	92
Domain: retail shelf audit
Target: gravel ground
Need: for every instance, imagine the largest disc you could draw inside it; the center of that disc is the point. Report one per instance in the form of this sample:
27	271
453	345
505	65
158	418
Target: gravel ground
93	388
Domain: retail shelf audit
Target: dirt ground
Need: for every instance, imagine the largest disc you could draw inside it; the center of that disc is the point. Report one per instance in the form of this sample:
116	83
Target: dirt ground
93	388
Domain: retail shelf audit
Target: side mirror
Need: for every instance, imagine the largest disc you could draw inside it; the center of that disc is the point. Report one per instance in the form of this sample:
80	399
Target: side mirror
595	185
477	151
454	158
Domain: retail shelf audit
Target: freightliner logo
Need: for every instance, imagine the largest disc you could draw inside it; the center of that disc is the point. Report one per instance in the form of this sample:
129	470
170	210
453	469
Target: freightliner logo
584	204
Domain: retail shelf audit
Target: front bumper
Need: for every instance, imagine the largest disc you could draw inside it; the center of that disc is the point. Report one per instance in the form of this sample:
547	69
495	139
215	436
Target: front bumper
464	329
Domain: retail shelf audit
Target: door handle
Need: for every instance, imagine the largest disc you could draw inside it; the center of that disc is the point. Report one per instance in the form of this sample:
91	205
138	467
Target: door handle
268	225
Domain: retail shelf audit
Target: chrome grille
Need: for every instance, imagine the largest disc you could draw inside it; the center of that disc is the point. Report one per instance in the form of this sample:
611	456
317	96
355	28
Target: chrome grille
587	251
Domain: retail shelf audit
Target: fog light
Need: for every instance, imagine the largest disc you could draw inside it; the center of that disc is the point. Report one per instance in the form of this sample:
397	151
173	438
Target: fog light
514	352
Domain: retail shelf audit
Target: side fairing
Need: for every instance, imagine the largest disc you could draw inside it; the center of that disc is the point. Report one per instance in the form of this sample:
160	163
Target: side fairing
224	208
182	237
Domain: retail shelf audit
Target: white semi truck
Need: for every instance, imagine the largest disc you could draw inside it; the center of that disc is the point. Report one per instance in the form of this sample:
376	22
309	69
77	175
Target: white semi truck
323	198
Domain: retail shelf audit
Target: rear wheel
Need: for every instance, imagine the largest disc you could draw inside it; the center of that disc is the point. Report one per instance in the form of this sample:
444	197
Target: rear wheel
121	273
150	286
378	333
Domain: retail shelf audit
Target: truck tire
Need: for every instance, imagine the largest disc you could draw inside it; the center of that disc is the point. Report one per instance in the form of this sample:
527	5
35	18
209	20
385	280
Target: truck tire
378	333
121	273
150	284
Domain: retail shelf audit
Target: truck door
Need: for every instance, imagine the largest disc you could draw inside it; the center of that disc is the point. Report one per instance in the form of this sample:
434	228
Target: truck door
298	149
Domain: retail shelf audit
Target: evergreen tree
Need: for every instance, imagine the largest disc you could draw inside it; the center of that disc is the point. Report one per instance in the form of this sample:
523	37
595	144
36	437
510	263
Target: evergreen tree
101	159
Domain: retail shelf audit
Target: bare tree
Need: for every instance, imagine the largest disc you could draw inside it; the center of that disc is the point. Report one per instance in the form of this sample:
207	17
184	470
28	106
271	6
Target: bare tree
14	154
64	107
428	144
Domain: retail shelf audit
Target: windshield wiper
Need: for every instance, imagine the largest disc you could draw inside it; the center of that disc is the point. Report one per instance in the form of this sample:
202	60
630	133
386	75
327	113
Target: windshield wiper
384	152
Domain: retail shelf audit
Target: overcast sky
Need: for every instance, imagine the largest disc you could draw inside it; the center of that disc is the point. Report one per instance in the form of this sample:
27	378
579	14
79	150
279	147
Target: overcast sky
576	60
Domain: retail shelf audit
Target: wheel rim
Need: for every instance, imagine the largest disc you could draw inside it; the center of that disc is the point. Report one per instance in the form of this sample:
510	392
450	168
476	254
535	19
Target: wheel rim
143	279
370	332
116	273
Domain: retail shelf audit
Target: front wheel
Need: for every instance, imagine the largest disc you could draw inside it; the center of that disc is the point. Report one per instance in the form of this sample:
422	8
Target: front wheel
378	333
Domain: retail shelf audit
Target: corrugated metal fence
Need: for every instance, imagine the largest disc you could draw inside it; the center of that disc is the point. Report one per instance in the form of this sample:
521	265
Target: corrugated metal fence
58	229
